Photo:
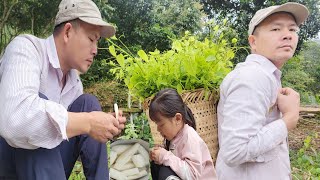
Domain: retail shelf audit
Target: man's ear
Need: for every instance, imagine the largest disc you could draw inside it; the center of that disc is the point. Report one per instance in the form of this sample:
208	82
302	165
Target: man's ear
66	32
252	42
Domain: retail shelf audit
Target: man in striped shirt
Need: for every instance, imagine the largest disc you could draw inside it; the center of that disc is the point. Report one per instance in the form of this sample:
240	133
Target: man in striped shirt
46	121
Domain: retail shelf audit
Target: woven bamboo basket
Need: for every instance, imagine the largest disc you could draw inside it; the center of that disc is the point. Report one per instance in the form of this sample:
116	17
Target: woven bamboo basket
203	106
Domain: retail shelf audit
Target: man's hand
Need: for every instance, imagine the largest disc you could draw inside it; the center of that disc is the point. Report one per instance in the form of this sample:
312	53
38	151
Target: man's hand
99	125
289	104
103	126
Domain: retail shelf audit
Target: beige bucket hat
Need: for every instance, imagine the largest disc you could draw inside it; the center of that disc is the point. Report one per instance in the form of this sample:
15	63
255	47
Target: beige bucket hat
299	11
85	10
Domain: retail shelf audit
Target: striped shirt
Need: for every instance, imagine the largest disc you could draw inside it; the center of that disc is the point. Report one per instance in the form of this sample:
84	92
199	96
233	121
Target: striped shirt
252	135
30	66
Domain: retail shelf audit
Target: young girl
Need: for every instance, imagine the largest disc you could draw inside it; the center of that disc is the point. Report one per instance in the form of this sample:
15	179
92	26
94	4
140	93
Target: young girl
185	156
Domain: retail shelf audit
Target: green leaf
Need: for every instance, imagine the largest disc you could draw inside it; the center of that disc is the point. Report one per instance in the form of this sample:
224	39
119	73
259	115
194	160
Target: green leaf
225	21
143	55
234	40
114	38
176	45
211	58
120	60
112	51
216	28
179	88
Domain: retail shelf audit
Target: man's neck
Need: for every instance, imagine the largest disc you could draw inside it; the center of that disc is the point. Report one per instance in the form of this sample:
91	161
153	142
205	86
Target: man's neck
62	58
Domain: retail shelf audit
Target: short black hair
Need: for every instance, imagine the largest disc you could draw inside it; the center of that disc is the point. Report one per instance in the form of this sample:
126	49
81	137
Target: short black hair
58	28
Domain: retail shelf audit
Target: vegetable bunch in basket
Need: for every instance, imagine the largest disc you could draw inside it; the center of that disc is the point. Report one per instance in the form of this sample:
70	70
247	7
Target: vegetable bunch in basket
190	64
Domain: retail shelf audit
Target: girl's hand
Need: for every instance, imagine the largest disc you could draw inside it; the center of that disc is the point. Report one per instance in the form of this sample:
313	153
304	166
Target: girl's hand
155	154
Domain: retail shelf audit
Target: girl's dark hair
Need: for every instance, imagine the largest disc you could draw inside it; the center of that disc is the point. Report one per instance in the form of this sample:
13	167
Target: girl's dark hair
167	103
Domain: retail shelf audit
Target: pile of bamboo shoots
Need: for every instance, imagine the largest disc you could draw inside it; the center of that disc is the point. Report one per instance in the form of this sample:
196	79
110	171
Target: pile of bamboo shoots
129	161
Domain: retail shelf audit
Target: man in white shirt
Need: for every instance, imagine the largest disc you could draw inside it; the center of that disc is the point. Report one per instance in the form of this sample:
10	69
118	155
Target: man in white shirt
46	121
254	111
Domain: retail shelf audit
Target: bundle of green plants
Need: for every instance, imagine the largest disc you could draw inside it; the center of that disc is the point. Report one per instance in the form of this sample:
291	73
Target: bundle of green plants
190	64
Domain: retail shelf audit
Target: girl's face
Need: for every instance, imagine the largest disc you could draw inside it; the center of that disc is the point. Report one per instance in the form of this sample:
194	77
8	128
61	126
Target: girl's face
169	127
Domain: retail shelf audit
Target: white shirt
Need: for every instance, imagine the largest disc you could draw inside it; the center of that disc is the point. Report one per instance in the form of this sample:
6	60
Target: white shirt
252	136
30	66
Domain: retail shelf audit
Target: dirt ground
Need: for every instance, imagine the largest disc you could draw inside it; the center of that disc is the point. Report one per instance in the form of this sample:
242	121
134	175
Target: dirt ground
309	124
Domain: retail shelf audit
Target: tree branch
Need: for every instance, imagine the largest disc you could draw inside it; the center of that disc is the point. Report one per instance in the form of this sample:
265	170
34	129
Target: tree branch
6	12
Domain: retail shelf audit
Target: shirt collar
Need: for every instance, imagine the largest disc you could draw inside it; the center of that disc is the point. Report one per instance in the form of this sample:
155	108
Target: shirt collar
74	76
265	63
52	52
180	134
54	61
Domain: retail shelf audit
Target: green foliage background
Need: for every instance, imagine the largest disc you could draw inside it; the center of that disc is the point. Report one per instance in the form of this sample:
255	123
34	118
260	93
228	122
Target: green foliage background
152	25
